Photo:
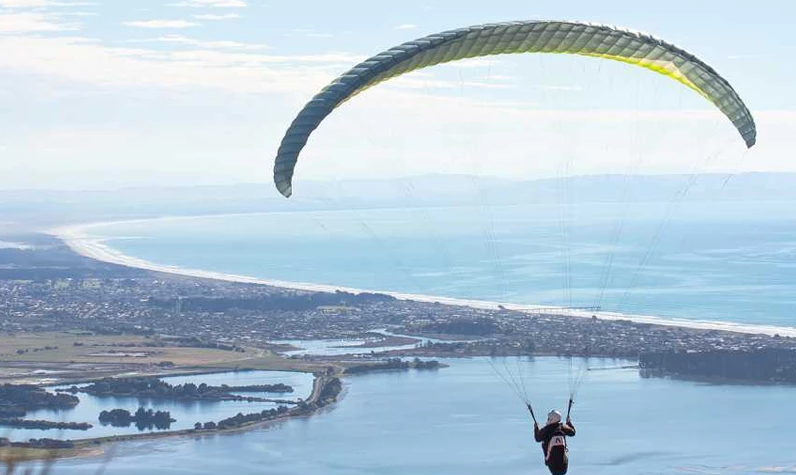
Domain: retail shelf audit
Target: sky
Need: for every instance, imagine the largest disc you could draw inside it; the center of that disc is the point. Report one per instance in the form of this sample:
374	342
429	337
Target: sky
113	93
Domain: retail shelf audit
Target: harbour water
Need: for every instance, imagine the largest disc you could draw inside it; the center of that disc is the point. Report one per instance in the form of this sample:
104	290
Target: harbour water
464	420
186	413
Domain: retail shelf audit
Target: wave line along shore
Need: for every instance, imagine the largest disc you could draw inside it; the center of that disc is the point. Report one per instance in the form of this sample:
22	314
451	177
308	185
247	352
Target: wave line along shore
77	238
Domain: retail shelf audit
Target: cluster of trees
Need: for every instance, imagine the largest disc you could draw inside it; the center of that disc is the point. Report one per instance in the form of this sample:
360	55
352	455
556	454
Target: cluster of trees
241	419
258	388
328	394
143	418
392	364
38	444
157	388
44	425
476	327
53	260
17	399
767	365
196	342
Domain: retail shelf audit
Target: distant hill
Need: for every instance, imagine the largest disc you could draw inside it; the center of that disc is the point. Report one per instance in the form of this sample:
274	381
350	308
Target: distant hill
37	208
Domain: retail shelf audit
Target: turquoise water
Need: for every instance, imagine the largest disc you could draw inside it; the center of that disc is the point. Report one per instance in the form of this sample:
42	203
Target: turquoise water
462	420
732	262
718	261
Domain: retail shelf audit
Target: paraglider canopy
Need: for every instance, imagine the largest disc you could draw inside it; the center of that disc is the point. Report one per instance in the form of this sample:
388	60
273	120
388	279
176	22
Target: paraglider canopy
561	37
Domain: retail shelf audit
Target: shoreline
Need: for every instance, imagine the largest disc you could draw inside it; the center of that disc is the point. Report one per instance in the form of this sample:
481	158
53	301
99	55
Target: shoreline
77	238
93	447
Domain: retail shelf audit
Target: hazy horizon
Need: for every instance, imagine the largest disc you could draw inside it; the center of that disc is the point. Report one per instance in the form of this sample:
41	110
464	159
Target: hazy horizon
110	94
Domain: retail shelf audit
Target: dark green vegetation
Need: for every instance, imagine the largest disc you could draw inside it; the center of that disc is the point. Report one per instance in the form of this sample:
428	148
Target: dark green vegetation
241	419
465	327
155	388
50	259
327	392
764	365
392	364
143	418
16	400
44	425
38	444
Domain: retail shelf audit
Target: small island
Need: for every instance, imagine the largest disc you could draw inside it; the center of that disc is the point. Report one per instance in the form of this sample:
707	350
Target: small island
392	364
143	418
155	388
765	365
17	399
325	392
43	425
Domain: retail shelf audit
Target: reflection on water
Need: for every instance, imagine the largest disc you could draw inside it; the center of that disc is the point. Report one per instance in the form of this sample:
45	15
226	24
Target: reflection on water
186	412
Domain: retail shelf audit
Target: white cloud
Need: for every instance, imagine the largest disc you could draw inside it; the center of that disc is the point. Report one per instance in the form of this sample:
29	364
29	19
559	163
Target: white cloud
744	56
556	87
85	61
210	3
78	14
41	4
32	23
406	26
183	40
309	33
217	17
162	24
500	77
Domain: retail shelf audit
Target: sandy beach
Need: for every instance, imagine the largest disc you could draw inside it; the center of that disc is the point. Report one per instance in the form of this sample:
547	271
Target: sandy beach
79	238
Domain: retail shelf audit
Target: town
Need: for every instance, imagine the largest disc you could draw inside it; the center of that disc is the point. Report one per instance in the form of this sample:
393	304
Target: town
49	288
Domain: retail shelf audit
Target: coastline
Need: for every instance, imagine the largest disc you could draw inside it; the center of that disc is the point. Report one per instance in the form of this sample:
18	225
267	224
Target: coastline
81	242
93	447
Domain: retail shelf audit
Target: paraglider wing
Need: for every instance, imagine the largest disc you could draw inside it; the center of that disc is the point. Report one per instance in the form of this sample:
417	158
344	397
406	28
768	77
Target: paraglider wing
507	38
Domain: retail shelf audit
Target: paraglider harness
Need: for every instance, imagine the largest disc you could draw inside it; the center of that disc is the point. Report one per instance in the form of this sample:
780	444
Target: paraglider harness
558	439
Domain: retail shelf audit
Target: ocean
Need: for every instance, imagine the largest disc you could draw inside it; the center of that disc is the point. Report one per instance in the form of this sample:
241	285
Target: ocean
731	262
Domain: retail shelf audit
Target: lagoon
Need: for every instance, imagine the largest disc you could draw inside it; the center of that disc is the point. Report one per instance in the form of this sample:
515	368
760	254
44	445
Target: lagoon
463	420
186	413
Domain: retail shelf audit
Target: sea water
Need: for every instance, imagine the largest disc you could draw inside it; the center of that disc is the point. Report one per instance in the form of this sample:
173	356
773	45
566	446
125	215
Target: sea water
733	262
729	262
